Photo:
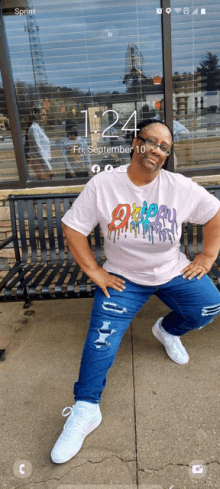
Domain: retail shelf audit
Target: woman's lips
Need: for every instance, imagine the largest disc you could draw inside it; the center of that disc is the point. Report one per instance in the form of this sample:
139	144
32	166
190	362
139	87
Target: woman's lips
151	161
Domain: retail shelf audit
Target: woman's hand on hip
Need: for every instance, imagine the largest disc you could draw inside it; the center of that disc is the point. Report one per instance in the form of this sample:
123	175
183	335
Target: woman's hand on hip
103	279
200	266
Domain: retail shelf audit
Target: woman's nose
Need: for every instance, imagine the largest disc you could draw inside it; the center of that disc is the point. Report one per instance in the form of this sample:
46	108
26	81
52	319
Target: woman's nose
156	150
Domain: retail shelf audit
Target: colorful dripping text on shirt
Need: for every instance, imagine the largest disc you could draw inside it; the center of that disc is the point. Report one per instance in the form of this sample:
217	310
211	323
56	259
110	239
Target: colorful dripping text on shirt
141	221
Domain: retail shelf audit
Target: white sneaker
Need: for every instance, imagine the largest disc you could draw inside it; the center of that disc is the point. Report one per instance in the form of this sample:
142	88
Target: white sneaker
82	421
173	345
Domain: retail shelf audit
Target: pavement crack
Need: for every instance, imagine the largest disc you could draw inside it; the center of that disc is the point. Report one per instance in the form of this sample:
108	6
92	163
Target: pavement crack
53	479
72	468
213	462
176	465
162	468
36	482
50	479
112	456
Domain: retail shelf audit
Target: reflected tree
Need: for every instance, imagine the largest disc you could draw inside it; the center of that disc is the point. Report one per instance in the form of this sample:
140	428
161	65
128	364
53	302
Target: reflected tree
210	73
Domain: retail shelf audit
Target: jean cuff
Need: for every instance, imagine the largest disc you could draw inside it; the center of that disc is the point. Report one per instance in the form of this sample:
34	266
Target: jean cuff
86	399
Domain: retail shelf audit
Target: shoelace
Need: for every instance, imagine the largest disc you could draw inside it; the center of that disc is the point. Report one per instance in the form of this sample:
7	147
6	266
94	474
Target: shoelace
70	411
175	341
179	343
70	419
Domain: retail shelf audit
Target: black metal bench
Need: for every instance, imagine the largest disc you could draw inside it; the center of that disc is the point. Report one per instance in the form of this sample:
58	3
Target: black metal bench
45	268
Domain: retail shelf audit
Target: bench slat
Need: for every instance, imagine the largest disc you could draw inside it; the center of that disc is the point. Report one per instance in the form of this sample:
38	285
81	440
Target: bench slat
51	277
20	212
41	231
51	230
72	281
59	229
31	226
64	273
30	276
46	268
22	272
7	280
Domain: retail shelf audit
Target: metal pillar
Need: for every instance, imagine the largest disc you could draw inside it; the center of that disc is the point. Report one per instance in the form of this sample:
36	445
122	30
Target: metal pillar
167	66
9	90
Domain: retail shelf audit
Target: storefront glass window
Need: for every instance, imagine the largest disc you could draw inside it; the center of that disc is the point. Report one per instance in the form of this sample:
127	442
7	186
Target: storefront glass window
196	83
85	73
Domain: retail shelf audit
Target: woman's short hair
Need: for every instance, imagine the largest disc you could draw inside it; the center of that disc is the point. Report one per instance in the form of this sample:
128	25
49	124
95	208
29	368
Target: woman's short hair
145	123
34	112
70	123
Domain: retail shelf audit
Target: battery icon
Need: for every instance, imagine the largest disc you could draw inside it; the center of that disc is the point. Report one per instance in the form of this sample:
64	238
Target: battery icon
203	11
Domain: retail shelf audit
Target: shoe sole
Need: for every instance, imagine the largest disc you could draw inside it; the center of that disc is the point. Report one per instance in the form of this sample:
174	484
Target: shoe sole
159	339
95	425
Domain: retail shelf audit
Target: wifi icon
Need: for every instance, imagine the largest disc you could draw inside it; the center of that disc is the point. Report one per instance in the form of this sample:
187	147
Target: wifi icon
177	10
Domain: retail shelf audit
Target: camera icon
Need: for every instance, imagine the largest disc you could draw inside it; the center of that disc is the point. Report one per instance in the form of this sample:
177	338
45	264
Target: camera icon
197	469
159	10
121	169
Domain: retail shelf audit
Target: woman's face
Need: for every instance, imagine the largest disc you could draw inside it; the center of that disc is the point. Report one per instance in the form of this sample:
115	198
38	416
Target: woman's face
43	115
148	158
73	132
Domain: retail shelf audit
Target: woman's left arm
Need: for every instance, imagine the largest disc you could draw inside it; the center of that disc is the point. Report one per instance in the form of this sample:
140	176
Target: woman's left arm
211	244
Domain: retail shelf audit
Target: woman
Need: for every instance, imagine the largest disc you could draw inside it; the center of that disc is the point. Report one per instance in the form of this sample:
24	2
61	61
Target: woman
74	150
141	212
37	146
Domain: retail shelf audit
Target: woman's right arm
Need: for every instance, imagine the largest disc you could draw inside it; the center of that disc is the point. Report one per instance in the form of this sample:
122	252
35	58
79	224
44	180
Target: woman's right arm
79	248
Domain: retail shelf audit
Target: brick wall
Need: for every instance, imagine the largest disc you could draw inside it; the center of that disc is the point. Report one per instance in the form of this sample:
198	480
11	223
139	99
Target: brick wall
7	256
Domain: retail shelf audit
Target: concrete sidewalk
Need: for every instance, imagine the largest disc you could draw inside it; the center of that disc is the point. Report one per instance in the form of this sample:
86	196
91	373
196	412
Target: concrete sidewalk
159	418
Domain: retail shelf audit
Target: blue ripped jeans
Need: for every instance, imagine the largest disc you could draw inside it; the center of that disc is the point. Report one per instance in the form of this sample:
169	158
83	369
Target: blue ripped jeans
194	304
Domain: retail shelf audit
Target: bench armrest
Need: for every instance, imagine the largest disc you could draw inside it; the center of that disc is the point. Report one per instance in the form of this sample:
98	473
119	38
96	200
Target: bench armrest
4	243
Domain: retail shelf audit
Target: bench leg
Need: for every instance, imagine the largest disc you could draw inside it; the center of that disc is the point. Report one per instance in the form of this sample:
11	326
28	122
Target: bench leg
2	355
27	303
27	300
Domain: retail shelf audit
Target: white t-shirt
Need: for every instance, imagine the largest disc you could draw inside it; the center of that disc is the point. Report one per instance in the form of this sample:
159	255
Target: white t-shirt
142	225
81	158
39	144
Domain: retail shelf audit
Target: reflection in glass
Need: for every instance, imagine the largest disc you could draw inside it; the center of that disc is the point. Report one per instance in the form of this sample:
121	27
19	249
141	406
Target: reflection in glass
75	152
8	167
98	65
37	146
196	83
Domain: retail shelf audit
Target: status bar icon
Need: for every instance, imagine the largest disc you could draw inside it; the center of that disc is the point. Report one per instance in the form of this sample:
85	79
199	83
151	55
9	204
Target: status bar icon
203	11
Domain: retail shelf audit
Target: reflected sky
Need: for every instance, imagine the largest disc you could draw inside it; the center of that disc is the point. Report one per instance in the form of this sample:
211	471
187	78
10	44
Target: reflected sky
84	44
